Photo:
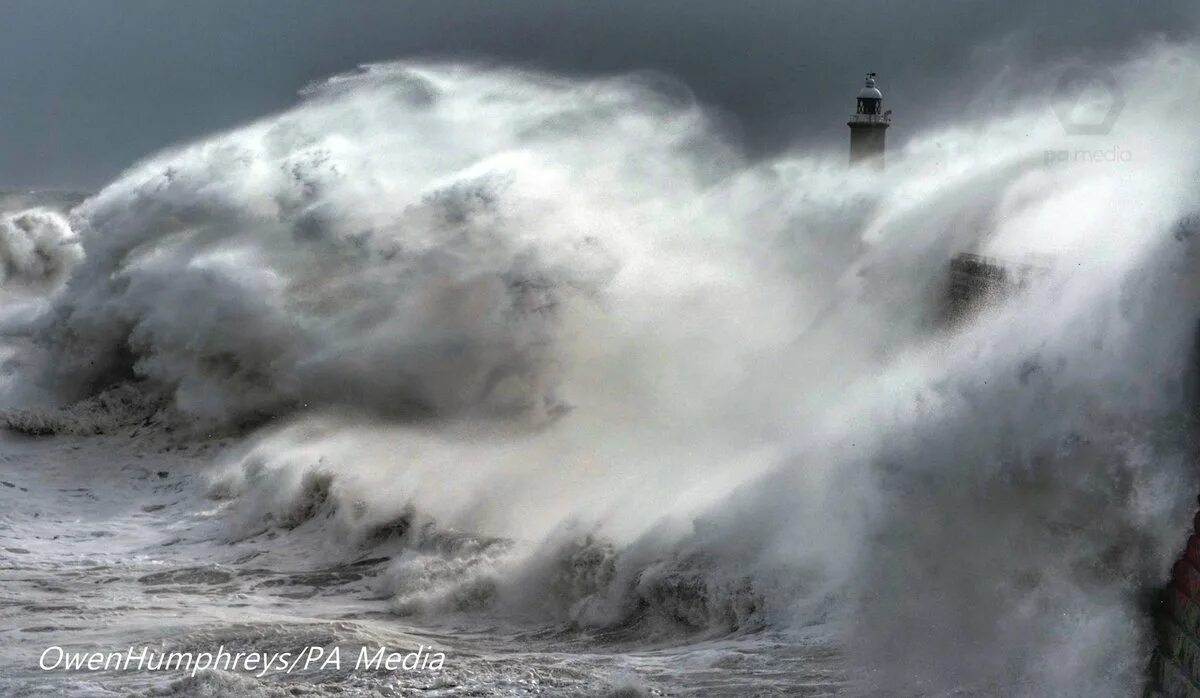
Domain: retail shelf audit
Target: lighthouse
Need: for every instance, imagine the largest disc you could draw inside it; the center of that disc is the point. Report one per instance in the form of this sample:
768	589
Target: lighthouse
868	125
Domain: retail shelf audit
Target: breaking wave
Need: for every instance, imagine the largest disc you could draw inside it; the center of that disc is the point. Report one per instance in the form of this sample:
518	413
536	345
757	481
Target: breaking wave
556	343
37	248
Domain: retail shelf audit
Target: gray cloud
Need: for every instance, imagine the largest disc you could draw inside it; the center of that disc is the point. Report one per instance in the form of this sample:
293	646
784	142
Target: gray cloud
87	88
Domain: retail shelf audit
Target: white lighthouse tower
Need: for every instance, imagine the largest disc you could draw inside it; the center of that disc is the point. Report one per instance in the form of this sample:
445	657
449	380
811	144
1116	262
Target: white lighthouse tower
868	126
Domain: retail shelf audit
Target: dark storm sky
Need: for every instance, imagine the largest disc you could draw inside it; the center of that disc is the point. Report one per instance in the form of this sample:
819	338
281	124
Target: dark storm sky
88	87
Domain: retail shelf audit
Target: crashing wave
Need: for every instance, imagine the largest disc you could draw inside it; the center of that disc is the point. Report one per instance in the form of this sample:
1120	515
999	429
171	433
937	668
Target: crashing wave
38	249
123	407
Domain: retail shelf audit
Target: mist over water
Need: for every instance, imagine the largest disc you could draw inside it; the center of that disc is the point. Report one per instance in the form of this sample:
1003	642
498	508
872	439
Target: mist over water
605	372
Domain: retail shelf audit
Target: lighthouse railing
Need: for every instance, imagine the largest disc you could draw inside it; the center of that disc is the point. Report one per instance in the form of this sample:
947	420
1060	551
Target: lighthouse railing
870	119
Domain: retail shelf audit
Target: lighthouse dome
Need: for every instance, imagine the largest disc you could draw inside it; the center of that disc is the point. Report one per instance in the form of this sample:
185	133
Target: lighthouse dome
869	91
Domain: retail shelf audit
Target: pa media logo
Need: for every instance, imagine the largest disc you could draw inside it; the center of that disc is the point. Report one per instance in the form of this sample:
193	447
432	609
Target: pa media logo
1087	100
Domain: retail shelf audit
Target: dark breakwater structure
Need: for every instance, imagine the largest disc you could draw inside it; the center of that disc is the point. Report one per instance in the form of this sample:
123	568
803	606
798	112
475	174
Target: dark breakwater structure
1174	670
975	281
1175	665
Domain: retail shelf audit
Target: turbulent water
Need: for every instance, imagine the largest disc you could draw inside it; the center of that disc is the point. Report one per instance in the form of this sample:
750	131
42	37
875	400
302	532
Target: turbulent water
542	373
